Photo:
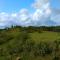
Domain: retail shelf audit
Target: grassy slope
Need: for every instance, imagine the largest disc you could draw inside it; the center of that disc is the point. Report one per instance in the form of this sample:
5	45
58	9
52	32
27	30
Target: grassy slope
37	37
12	33
44	36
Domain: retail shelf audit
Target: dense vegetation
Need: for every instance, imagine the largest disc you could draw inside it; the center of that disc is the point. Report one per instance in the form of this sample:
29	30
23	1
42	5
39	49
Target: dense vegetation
30	43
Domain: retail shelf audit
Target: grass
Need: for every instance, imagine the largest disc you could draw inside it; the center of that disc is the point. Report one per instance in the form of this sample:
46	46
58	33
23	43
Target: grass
44	36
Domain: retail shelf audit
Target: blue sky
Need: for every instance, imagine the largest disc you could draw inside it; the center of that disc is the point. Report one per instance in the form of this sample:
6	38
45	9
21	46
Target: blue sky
16	5
29	12
55	3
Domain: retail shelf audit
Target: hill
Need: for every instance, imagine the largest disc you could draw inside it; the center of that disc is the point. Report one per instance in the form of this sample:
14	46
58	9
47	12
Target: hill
30	43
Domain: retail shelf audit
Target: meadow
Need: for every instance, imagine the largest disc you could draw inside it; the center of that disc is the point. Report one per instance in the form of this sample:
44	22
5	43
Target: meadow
29	44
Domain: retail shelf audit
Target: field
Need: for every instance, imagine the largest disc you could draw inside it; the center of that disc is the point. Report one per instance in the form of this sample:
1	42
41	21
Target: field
35	45
45	36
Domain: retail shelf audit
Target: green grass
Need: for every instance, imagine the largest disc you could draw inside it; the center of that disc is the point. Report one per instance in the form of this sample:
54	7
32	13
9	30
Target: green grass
44	36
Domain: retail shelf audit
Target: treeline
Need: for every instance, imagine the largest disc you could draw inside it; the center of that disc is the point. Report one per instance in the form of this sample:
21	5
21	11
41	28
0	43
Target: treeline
34	28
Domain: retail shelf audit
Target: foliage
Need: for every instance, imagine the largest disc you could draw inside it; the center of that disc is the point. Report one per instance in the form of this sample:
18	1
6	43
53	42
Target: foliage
30	43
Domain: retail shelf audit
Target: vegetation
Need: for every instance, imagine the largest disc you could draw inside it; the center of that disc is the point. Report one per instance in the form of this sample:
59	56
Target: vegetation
30	43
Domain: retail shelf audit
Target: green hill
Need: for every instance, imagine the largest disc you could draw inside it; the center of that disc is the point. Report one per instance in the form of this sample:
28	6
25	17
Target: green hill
29	44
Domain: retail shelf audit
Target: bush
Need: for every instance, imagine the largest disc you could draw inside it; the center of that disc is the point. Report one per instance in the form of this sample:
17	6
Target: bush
56	58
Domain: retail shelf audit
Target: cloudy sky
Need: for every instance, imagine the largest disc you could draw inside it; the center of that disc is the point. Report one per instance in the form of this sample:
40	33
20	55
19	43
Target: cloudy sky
29	13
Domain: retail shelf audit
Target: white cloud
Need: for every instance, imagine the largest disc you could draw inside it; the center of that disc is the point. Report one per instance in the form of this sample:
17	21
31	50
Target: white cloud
56	18
39	3
43	13
23	17
37	15
4	19
14	15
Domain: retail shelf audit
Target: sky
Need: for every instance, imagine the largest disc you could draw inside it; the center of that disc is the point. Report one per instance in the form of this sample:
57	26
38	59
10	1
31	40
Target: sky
29	13
14	5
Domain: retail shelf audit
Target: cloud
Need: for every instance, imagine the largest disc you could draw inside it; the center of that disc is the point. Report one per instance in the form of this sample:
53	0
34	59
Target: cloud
4	19
43	15
20	18
55	16
39	3
42	11
23	17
